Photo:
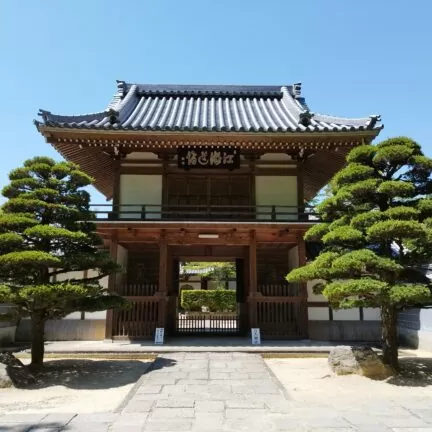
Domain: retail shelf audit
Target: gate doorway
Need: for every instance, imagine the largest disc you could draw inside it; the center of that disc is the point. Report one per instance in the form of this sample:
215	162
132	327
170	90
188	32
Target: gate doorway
210	297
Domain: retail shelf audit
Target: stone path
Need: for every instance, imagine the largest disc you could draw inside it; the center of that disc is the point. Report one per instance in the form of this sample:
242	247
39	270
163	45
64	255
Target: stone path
225	392
208	392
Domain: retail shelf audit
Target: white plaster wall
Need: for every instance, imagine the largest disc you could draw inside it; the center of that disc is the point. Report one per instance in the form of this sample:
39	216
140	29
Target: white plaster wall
69	275
371	314
278	191
314	297
318	314
138	190
99	315
346	315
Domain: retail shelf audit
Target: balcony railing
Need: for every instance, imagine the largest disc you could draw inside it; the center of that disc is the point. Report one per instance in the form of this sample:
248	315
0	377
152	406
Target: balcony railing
221	213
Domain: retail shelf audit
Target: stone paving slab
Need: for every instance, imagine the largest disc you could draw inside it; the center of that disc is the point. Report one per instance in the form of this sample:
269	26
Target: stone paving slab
227	392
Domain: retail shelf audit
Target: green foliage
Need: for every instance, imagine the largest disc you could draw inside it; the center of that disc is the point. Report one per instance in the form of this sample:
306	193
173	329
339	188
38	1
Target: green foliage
221	272
46	230
380	200
344	235
216	300
317	232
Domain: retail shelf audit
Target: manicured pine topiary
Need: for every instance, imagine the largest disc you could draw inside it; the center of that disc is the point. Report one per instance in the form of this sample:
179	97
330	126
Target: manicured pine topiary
47	231
377	233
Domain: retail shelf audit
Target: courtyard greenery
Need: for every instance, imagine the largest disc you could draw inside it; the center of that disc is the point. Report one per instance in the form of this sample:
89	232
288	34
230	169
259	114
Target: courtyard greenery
376	232
51	258
219	300
221	272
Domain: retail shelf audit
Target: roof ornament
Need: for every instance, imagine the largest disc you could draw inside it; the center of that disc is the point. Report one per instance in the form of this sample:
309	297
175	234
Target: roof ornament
306	117
112	116
374	119
297	89
121	87
44	114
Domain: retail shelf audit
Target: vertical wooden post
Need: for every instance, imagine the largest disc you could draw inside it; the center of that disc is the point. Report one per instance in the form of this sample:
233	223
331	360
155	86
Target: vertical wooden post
163	264
253	276
303	285
300	192
163	279
116	189
253	279
109	323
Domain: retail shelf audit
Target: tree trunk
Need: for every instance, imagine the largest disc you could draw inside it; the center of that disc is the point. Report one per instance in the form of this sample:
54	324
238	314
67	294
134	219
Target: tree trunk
37	346
389	336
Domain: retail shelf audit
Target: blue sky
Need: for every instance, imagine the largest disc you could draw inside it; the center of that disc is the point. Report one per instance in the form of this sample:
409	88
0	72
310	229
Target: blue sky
354	58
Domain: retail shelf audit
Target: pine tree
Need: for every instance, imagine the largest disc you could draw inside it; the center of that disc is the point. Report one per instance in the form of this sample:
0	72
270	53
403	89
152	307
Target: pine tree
376	231
47	230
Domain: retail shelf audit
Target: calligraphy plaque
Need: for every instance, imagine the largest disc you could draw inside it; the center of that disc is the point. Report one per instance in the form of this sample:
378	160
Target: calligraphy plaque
256	336
159	336
208	157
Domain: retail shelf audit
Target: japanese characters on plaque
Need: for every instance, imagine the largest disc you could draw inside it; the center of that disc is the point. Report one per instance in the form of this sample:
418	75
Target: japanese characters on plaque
208	157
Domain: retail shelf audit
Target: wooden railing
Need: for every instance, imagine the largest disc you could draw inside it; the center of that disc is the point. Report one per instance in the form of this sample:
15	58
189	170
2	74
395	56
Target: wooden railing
211	323
280	317
280	290
140	320
137	289
239	213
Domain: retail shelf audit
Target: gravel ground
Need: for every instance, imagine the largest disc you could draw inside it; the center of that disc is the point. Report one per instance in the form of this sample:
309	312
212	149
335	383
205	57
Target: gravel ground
309	380
75	385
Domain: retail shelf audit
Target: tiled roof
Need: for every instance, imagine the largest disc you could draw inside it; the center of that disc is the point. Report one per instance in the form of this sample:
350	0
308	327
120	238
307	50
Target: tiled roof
145	107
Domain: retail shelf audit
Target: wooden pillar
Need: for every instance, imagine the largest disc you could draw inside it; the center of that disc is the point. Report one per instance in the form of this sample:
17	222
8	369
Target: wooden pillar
163	280
303	285
116	188
253	276
109	323
163	264
300	191
253	280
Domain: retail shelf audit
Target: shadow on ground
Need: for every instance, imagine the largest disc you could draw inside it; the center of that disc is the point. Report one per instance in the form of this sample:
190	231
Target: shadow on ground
89	374
161	363
415	372
30	427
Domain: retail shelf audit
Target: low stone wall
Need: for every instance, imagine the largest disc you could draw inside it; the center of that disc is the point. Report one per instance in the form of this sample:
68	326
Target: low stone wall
350	331
65	329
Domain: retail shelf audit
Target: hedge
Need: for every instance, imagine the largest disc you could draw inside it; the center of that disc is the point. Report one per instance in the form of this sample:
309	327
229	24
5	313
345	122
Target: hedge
215	300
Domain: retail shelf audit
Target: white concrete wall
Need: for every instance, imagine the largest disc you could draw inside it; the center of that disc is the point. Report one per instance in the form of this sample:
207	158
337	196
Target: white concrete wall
278	191
99	315
137	190
318	314
321	313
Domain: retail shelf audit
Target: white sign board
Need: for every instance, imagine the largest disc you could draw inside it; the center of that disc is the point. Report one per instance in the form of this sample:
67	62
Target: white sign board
159	336
256	336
